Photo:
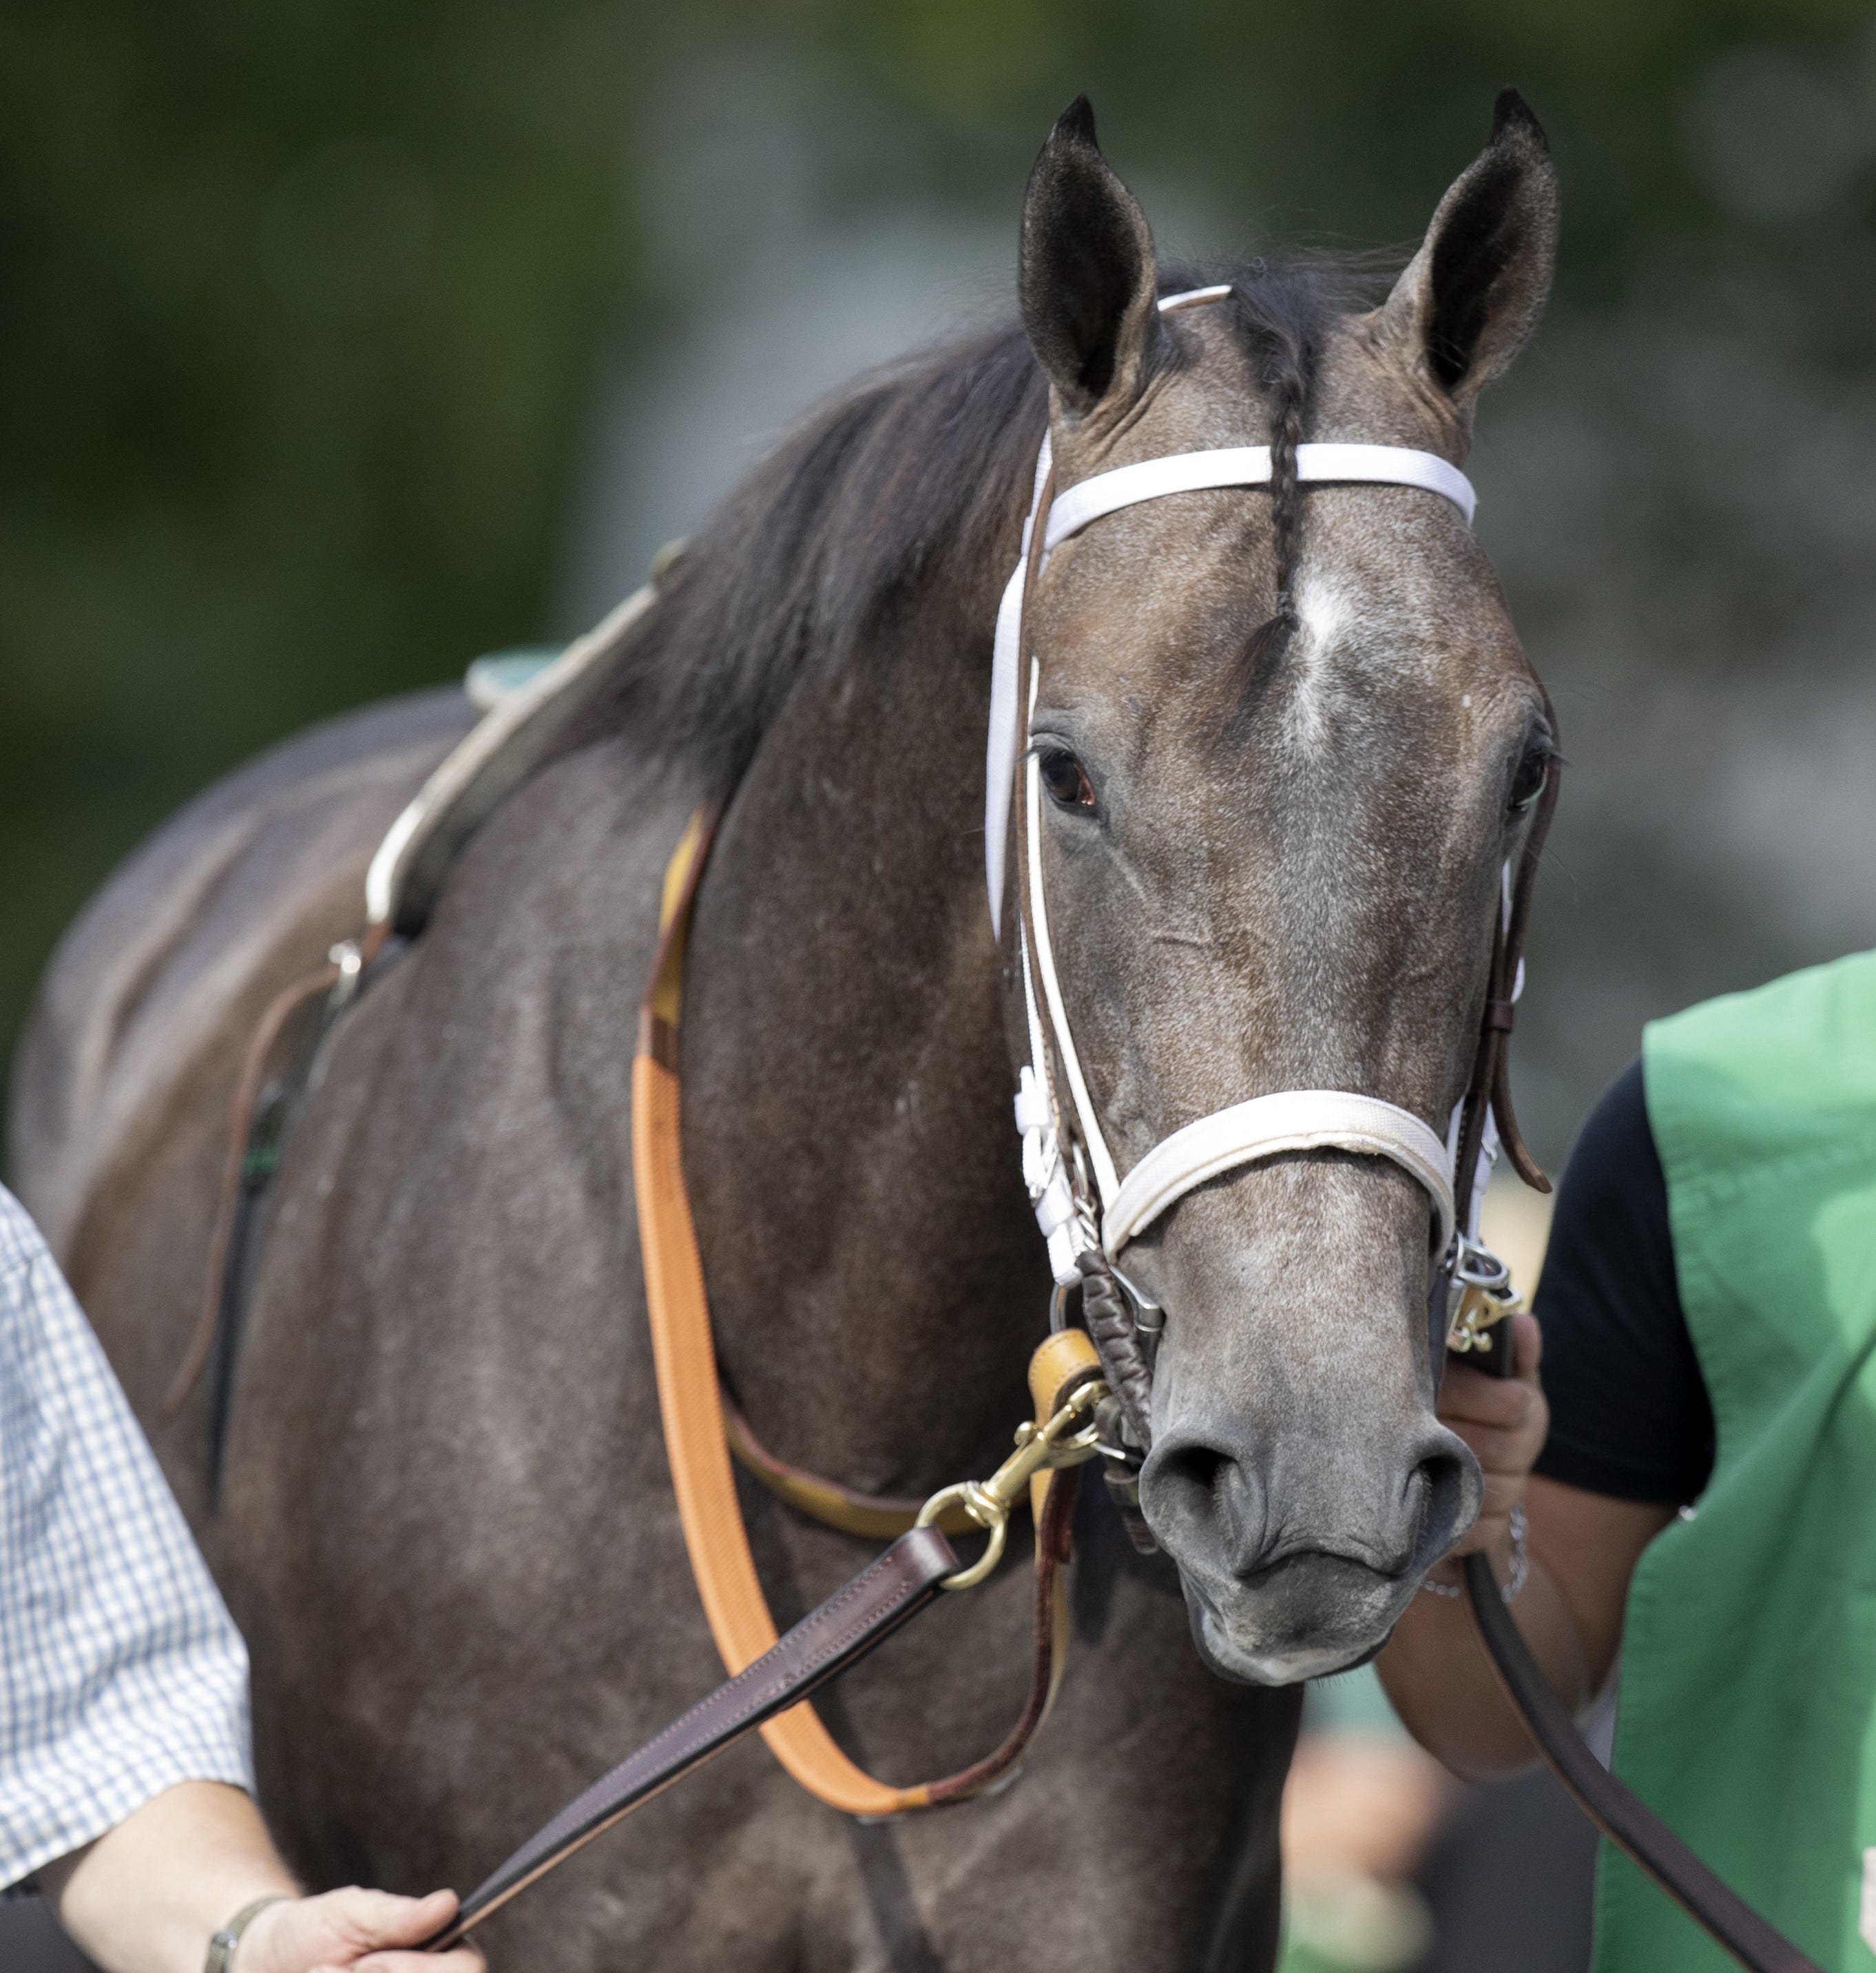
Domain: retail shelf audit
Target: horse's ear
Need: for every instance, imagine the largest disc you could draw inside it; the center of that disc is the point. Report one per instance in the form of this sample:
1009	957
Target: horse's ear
1086	274
1473	293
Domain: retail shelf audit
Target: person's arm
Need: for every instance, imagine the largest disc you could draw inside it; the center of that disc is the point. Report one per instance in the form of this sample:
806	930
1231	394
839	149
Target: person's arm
123	1688
148	1897
1582	1548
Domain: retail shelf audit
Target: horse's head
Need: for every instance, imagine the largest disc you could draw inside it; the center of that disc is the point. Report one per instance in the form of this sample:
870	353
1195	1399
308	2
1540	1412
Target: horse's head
1288	743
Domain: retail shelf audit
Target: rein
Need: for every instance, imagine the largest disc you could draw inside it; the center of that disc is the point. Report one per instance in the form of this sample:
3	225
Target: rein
694	1431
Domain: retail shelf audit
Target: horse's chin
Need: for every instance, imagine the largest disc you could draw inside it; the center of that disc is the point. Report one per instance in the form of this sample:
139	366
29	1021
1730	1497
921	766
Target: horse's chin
1248	1649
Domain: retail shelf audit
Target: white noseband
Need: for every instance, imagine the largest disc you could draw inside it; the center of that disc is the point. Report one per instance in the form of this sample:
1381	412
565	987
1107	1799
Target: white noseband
1295	1120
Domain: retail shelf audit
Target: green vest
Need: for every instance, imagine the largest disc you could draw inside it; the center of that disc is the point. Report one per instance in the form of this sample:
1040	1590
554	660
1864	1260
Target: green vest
1748	1708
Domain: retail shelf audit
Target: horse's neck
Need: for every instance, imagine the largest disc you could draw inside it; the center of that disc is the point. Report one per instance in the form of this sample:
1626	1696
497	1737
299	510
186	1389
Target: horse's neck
875	1277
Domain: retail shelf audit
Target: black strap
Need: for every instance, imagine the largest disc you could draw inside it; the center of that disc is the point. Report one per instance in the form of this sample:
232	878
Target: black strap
276	1107
1620	1818
827	1642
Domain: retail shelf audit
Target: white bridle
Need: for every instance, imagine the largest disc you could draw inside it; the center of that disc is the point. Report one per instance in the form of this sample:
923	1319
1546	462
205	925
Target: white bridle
1291	1120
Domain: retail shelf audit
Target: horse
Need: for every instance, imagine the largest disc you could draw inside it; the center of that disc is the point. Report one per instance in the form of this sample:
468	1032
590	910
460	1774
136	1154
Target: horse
1289	740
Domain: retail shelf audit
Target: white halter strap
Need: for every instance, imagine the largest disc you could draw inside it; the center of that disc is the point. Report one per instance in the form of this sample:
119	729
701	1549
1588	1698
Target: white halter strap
1289	1120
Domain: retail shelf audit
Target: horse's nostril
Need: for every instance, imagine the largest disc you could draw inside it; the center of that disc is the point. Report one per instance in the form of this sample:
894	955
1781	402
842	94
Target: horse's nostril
1236	1516
1185	1477
1192	1490
1447	1503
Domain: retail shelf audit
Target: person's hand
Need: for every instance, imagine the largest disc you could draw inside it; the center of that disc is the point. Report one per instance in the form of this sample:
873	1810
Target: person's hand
353	1931
1504	1420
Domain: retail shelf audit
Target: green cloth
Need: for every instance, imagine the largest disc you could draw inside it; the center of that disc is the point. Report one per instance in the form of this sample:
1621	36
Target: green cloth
1748	1711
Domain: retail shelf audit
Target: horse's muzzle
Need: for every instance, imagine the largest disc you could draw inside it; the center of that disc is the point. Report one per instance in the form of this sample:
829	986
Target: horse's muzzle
1288	1580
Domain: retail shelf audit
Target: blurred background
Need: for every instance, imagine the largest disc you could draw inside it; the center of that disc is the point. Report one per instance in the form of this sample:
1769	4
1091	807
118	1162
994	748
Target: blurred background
341	343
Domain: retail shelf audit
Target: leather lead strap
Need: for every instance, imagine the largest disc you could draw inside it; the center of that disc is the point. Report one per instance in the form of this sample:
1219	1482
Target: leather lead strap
236	1193
718	1545
875	1517
1490	1088
1498	1032
884	1596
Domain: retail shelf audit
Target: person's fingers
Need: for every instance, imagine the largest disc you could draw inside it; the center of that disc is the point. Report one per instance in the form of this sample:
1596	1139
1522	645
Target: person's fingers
370	1918
1508	1453
458	1959
409	1921
1505	1421
1527	1353
1498	1407
1508	1456
1469	1393
1521	1415
341	1930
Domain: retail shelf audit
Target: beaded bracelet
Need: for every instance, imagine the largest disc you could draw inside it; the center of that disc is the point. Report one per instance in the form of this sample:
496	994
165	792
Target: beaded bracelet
1521	1564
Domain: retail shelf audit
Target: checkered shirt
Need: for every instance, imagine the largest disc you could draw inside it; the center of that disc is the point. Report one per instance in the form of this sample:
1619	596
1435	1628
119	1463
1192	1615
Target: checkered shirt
121	1673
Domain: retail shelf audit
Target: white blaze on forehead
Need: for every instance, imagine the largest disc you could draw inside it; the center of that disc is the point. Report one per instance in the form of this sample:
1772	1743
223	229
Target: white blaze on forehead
1343	627
1326	609
1326	612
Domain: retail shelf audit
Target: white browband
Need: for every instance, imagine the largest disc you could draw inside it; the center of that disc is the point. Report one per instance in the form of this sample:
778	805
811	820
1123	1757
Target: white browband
1295	1120
1249	466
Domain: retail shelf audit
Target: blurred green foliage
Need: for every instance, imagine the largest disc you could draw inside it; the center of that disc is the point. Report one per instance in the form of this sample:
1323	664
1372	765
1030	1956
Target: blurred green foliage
297	307
300	305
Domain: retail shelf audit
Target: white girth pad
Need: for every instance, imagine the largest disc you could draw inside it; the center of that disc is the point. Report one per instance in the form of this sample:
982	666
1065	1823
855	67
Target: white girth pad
1294	1120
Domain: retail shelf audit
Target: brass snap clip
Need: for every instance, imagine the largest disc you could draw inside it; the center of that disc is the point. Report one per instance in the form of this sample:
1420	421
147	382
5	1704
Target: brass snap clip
1482	1297
1069	1438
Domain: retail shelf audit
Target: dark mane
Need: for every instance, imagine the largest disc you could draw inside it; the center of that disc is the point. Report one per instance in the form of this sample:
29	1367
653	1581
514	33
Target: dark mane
926	469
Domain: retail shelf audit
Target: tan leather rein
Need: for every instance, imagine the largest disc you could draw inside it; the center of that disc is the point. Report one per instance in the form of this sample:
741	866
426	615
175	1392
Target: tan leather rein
696	1433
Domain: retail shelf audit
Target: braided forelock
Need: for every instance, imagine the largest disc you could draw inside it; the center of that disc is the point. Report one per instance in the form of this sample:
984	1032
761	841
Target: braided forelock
1286	377
1281	312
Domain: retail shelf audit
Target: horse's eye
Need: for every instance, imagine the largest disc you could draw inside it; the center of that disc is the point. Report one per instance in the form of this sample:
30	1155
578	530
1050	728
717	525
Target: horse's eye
1534	770
1065	778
